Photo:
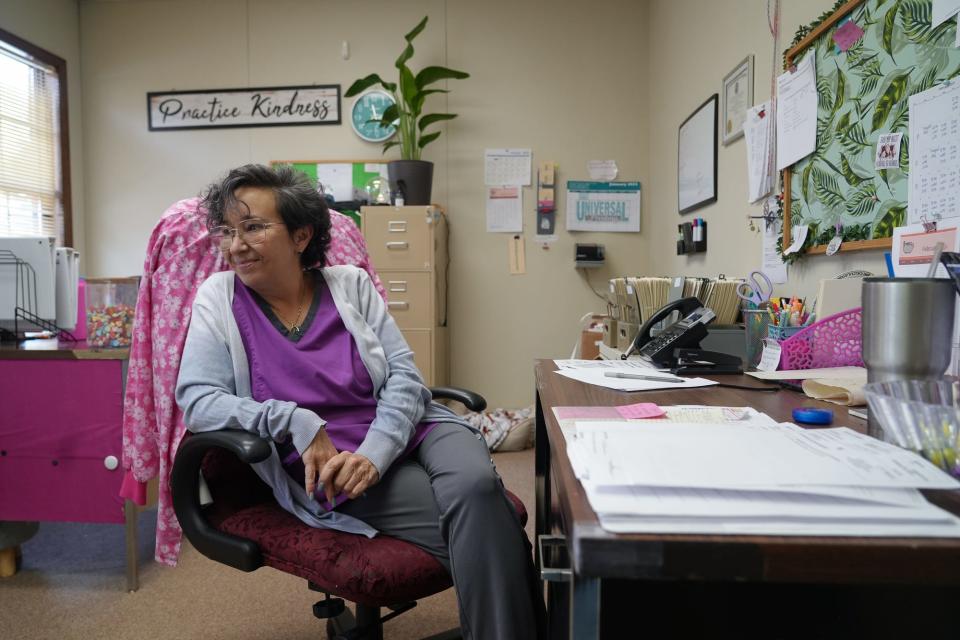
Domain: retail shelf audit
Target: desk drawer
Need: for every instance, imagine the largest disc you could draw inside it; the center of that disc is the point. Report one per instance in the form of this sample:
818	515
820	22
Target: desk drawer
398	239
410	298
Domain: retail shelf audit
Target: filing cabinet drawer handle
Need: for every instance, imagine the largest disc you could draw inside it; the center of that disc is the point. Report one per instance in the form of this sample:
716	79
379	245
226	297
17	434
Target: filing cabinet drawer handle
397	286
398	246
551	546
397	226
398	305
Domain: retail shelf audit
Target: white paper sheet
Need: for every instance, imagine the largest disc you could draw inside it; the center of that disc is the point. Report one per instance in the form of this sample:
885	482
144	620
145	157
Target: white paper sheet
773	264
507	166
504	209
934	189
913	249
949	527
736	456
888	151
597	377
796	113
811	374
758	133
605	170
799	233
336	179
943	9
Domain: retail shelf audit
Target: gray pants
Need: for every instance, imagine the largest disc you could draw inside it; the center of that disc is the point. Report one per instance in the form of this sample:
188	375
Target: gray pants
448	499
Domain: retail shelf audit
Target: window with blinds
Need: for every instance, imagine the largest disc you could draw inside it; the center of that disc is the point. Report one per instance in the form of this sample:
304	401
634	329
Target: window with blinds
31	141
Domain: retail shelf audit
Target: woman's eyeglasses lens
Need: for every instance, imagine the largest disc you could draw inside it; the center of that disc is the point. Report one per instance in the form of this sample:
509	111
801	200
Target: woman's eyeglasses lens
251	232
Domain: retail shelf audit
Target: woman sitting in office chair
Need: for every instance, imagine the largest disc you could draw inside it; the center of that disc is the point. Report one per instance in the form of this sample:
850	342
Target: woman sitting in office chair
311	360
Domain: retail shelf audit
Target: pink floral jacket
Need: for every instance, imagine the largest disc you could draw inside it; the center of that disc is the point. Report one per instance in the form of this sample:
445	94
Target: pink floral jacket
179	257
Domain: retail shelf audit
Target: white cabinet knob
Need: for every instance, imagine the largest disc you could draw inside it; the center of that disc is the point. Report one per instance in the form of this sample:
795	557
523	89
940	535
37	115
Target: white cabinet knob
111	462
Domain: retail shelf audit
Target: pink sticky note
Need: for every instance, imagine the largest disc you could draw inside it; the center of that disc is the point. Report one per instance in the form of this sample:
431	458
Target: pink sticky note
641	410
847	34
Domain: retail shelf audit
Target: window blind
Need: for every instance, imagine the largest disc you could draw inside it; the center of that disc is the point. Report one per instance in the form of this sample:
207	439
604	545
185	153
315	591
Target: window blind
31	200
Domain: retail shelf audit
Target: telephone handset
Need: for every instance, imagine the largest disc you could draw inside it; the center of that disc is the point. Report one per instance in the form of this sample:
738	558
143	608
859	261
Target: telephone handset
688	332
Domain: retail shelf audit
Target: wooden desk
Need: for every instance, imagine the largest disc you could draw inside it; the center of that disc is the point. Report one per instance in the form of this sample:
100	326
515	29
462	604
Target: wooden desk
718	563
61	439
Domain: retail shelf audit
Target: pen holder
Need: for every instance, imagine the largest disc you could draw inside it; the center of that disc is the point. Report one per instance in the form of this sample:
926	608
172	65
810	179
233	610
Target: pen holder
755	322
781	333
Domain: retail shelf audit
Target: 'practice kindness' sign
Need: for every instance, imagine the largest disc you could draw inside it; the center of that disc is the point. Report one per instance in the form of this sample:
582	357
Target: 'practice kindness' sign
257	107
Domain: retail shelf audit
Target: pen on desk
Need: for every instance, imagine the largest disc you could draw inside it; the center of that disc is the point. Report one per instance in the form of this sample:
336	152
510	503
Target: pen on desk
640	376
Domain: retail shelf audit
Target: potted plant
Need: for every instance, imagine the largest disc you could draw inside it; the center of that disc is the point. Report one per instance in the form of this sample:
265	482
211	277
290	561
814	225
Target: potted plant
410	176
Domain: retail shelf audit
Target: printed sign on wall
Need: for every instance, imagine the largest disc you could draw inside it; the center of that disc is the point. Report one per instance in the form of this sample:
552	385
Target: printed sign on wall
255	107
603	206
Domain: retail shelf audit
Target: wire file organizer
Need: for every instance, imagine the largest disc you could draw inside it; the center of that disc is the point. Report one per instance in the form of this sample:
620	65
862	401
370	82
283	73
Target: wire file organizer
26	300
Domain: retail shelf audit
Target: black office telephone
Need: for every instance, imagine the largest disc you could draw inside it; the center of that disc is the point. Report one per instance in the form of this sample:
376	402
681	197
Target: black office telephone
678	346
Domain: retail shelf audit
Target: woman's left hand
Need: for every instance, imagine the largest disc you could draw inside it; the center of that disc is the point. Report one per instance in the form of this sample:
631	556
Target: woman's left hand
348	472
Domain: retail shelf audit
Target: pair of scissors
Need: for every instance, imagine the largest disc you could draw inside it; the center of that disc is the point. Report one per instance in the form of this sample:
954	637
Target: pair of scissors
757	289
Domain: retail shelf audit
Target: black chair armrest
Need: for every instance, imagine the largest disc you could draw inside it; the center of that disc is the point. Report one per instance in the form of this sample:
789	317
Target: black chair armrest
237	552
472	401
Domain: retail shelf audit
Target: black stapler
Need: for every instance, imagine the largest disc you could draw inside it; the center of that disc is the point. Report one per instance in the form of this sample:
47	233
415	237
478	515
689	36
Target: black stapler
699	361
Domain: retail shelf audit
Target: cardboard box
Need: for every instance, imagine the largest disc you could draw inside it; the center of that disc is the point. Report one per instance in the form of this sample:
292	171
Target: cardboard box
610	332
590	340
626	332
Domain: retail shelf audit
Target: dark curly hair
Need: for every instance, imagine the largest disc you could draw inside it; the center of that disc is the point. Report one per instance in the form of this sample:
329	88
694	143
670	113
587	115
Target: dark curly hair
299	204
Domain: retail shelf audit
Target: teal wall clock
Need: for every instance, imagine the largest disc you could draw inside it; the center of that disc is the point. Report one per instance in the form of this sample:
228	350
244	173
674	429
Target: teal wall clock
370	106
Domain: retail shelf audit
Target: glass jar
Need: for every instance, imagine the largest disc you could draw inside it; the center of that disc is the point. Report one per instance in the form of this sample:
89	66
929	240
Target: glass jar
110	309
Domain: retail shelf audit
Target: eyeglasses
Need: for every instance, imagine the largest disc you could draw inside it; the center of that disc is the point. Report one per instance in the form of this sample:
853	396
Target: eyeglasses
252	231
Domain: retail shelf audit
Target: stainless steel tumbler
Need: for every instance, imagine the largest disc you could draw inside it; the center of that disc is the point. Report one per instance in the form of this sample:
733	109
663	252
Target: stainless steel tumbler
907	330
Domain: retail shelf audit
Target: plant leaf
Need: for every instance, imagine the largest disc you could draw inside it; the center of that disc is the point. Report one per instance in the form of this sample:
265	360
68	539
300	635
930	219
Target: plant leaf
805	182
391	143
839	95
390	114
429	119
824	94
892	214
863	200
851	176
827	189
888	22
843	124
408	90
421	96
427	139
408	50
429	75
892	95
854	139
916	16
365	83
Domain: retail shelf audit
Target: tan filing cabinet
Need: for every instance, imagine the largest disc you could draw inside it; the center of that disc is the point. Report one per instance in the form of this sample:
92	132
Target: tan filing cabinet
408	249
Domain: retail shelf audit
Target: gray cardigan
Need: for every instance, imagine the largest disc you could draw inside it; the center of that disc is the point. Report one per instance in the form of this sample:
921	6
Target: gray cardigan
214	391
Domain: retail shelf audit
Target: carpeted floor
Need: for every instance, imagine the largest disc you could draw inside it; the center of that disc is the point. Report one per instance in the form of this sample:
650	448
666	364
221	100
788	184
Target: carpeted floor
72	585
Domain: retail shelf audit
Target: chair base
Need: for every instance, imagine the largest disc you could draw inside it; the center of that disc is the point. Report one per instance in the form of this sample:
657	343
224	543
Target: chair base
367	624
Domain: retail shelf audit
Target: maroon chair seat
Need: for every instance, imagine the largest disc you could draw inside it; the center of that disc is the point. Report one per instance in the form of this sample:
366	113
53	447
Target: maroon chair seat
379	571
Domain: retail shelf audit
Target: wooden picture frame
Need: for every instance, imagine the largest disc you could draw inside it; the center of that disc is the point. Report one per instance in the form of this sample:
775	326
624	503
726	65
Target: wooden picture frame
736	98
697	157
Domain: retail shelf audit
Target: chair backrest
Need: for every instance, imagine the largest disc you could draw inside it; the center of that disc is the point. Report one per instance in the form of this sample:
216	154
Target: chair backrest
180	256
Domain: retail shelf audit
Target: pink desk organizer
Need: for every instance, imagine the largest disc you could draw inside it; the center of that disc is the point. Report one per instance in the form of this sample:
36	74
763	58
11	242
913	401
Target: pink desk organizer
834	341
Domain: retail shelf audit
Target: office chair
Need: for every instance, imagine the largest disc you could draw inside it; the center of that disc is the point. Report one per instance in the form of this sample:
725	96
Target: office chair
246	529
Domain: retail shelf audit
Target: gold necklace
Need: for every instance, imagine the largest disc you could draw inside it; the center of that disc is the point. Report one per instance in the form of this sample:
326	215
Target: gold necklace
295	329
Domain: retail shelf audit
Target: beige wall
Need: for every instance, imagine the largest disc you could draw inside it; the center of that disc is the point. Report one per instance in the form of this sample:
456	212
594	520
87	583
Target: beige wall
573	81
542	75
692	46
54	25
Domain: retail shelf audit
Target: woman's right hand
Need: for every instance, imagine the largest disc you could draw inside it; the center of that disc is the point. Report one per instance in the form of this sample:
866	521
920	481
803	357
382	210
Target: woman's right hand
314	458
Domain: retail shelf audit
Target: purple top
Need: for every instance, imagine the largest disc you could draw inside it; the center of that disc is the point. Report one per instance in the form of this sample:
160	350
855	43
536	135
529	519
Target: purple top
319	369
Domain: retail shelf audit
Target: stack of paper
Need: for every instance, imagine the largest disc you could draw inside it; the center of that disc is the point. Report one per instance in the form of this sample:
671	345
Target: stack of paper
758	133
751	476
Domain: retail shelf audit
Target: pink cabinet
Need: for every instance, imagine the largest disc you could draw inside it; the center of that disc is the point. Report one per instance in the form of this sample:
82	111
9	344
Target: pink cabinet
60	440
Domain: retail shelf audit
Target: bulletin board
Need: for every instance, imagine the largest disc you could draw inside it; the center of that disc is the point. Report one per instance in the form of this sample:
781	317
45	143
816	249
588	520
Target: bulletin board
353	181
862	93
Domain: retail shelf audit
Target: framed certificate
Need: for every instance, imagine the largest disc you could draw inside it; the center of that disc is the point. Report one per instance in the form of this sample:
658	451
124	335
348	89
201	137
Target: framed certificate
737	97
697	158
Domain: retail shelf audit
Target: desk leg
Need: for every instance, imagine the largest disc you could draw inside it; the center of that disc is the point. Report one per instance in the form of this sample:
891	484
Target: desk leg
130	515
542	523
585	609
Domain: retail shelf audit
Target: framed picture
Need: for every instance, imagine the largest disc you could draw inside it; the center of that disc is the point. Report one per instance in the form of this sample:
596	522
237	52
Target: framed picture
737	97
697	158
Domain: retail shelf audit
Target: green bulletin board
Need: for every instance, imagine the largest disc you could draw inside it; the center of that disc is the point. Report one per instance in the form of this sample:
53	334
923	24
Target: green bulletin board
363	178
863	93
